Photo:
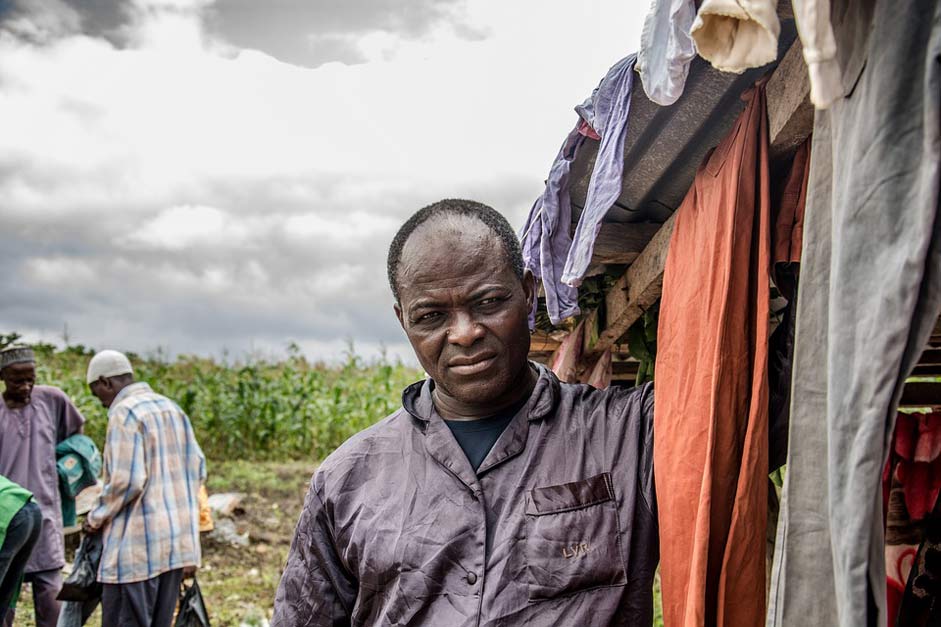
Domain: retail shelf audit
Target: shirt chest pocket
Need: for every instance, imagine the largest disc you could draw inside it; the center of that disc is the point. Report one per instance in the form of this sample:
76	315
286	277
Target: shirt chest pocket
573	540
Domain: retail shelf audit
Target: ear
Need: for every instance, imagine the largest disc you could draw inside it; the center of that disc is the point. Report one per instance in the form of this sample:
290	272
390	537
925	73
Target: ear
398	314
529	288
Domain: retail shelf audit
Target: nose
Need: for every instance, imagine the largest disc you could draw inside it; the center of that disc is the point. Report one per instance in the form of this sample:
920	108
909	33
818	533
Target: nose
464	330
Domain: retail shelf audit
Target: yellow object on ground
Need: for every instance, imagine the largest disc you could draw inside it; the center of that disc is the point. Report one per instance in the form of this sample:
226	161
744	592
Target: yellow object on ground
205	514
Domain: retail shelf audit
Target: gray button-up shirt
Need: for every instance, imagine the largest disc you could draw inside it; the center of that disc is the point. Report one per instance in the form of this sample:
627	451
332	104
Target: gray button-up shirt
557	527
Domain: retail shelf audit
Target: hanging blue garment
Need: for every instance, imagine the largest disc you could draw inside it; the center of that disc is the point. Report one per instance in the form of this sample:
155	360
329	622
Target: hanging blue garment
546	237
557	258
607	112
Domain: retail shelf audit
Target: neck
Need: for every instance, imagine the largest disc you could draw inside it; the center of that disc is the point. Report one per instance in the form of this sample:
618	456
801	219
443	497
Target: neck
451	408
118	388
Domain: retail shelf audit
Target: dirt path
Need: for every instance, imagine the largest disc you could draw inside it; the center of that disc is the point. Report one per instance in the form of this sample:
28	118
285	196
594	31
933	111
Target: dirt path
239	583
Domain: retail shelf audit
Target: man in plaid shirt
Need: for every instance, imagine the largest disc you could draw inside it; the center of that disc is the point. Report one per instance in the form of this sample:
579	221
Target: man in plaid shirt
149	508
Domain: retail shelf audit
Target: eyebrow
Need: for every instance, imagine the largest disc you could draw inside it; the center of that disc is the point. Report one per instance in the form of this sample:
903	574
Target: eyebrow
431	303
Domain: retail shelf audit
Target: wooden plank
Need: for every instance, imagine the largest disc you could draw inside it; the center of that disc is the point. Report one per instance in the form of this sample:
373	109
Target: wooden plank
930	370
790	114
921	394
930	357
542	358
620	243
540	342
635	291
625	367
790	122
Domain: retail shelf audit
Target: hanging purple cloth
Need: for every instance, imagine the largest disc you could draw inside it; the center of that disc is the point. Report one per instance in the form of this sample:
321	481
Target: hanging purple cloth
546	236
548	249
606	111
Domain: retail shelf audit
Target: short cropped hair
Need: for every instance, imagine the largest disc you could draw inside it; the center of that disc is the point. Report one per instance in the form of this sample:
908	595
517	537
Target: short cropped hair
487	216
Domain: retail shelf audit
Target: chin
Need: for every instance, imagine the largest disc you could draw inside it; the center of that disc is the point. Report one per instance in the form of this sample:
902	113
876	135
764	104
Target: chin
481	391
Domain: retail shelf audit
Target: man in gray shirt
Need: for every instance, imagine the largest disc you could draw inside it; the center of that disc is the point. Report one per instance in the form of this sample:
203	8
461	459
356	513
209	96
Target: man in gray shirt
33	419
543	513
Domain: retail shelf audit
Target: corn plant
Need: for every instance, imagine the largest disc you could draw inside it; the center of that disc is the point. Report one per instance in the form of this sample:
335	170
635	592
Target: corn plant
256	410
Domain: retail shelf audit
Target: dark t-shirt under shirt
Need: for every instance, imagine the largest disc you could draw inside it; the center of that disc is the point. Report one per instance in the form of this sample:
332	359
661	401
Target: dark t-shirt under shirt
477	437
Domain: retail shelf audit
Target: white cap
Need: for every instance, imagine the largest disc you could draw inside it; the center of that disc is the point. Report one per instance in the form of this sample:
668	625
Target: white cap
108	364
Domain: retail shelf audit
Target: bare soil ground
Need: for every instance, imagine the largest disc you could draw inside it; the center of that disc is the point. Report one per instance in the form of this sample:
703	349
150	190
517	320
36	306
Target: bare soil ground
239	583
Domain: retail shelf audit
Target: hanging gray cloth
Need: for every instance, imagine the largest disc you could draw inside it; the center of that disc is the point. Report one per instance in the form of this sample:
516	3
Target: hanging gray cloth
869	294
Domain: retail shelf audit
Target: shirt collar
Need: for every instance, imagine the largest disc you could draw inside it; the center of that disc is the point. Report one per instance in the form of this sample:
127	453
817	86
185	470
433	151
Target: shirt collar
417	400
135	388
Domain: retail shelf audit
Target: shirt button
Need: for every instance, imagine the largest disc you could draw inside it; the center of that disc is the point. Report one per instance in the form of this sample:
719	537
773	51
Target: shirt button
471	578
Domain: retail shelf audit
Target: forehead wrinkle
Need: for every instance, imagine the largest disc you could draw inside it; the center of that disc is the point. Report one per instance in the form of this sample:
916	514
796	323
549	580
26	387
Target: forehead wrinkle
432	247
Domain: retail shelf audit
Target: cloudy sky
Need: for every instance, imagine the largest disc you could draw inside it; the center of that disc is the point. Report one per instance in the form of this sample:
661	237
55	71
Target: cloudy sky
208	176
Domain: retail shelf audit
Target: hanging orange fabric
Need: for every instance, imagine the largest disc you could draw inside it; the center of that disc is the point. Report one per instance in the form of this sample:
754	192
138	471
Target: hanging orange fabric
788	234
711	412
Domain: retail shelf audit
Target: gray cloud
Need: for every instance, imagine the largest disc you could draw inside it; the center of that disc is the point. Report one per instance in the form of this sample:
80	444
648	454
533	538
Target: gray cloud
301	32
200	239
313	33
99	274
44	20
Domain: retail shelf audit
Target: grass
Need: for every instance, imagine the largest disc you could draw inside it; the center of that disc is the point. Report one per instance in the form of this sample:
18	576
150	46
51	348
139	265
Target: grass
239	584
257	410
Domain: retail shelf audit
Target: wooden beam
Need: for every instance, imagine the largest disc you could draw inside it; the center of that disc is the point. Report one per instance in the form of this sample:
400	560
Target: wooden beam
542	358
620	243
930	357
541	342
625	367
790	114
635	291
929	370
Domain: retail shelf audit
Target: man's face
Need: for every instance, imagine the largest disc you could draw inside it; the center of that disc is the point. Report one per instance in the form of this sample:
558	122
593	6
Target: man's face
465	311
104	391
19	380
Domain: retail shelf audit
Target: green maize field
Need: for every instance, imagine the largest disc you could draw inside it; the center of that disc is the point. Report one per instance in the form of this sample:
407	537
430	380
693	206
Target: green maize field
255	410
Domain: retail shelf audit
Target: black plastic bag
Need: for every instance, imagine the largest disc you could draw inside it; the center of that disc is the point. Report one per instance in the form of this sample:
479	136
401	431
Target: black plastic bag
82	584
76	613
192	611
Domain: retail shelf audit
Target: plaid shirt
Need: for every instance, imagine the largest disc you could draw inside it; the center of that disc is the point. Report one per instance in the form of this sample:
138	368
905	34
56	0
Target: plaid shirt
149	506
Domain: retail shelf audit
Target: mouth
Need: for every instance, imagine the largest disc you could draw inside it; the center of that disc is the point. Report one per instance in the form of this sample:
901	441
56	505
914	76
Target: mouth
465	366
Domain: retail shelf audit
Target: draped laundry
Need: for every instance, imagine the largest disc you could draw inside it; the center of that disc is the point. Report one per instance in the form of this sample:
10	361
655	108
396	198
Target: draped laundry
711	414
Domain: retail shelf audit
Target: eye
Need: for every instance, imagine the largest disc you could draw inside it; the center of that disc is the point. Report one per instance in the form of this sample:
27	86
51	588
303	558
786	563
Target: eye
427	317
491	301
